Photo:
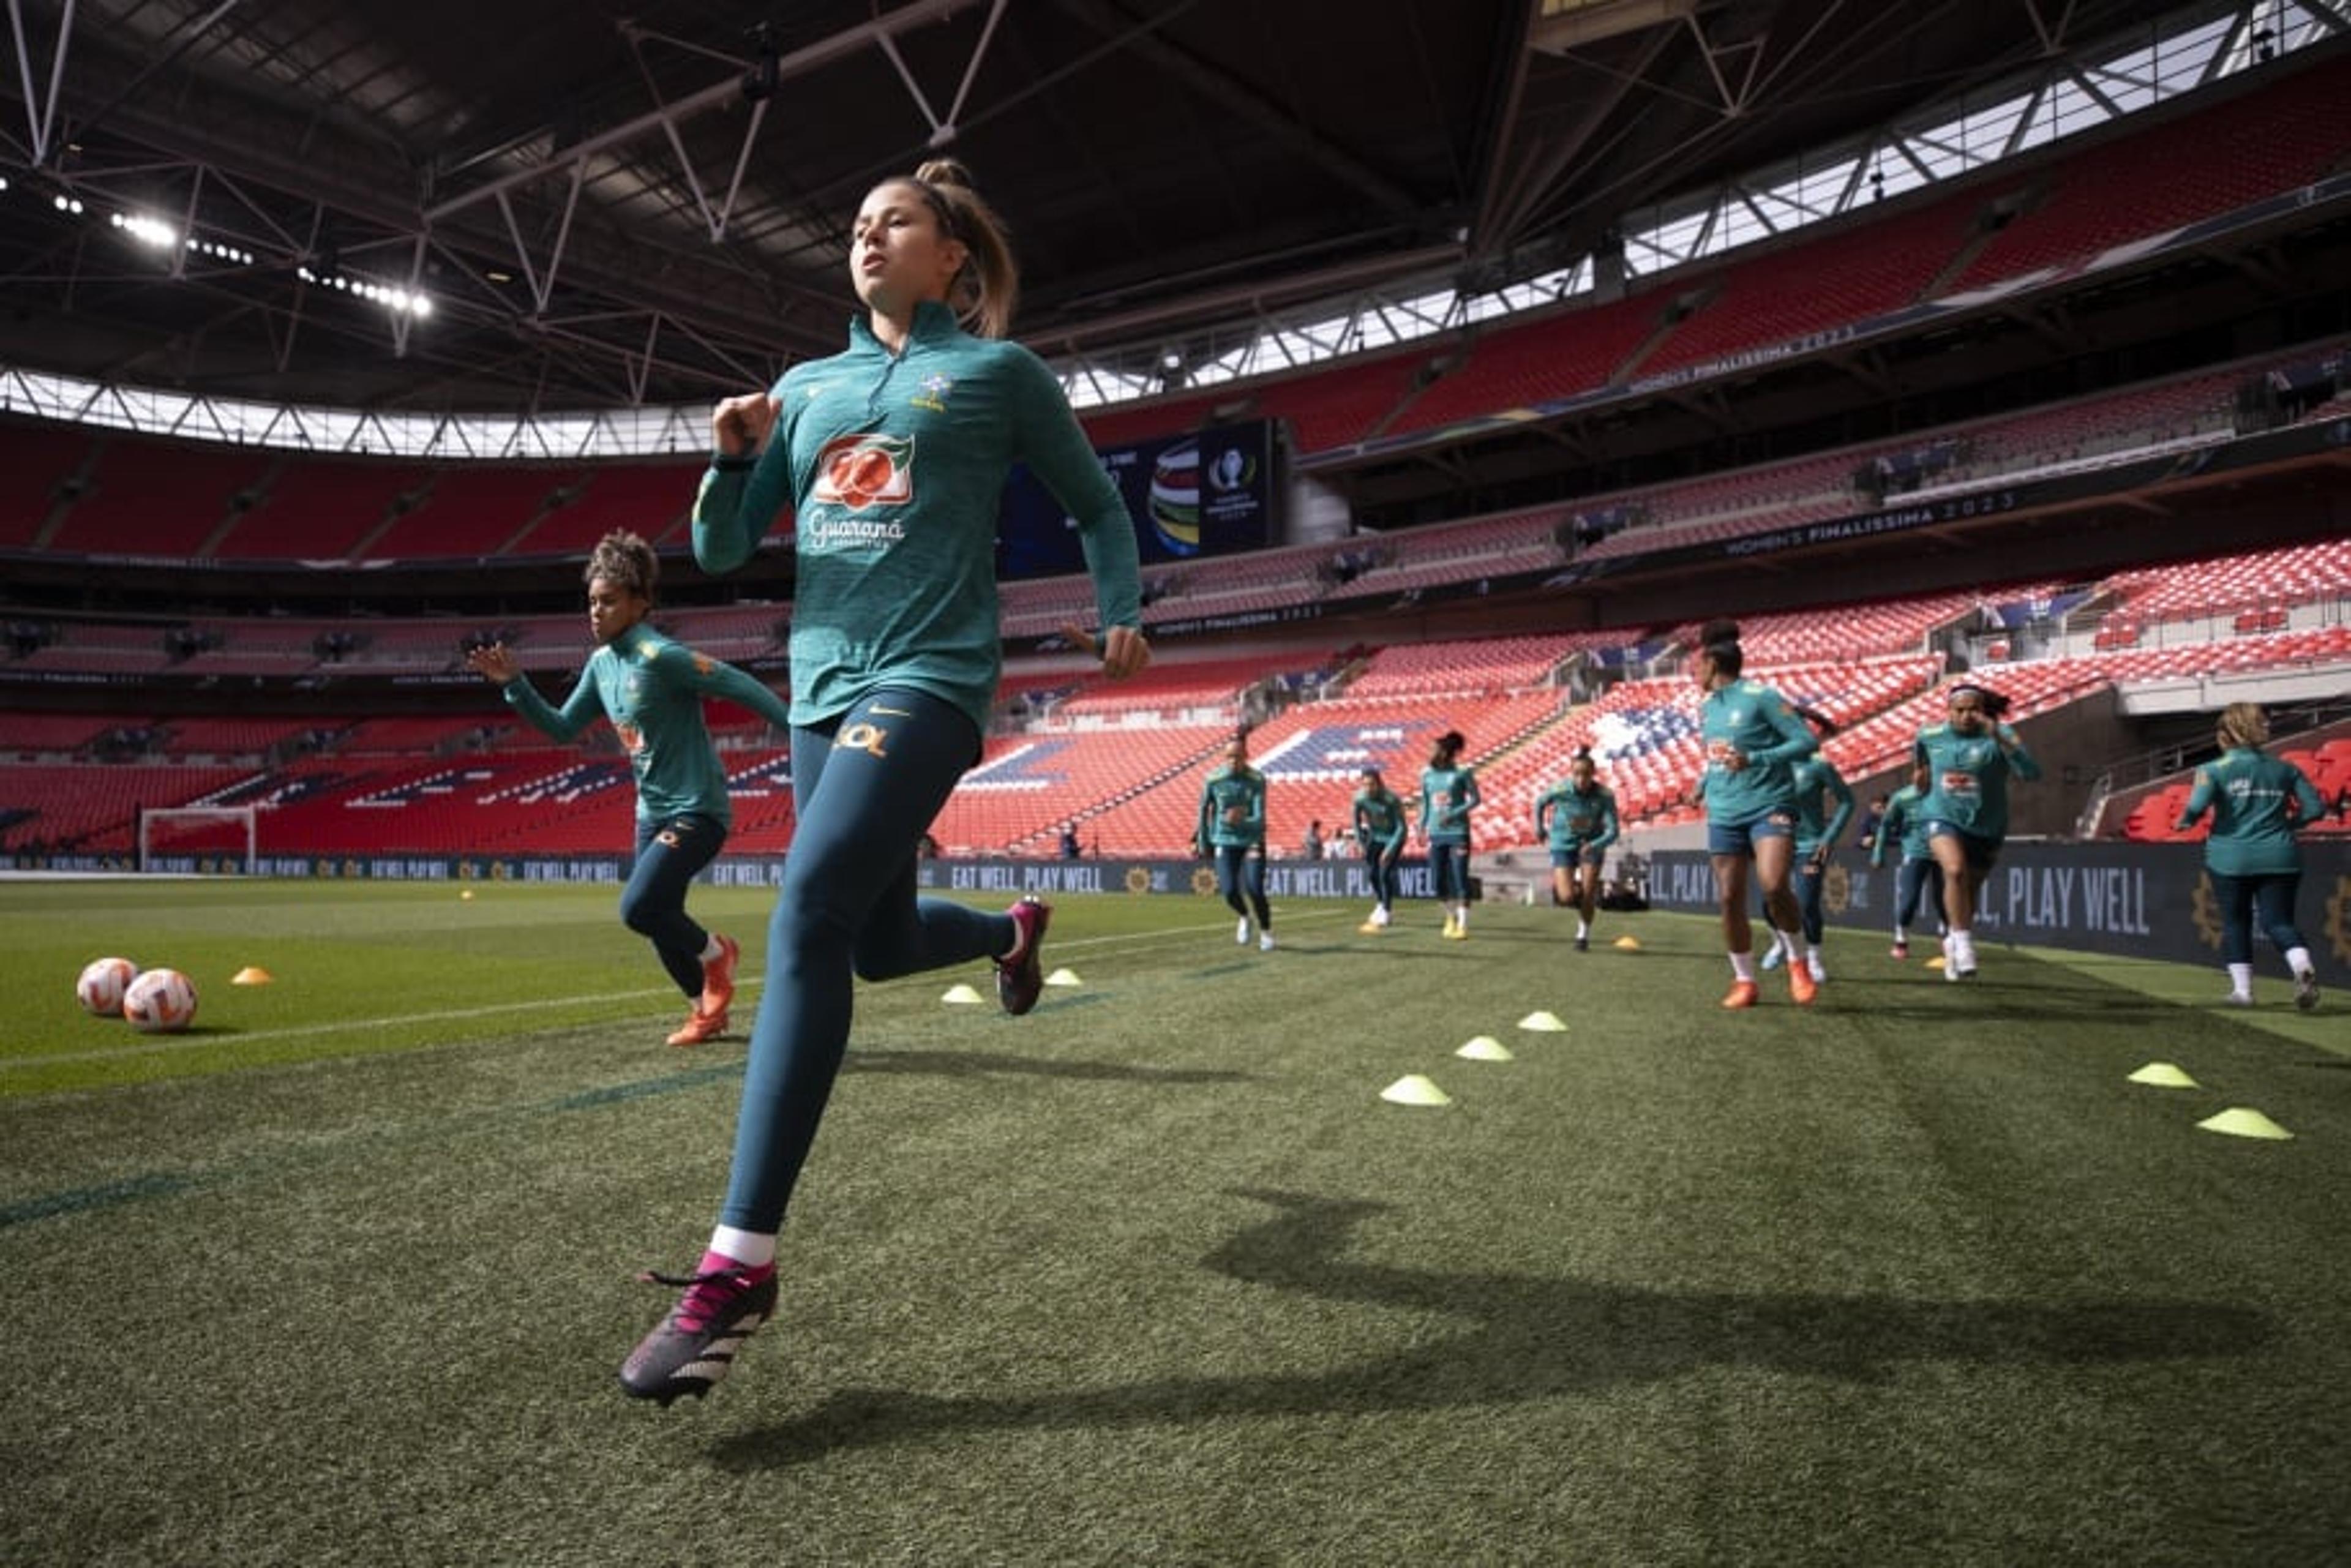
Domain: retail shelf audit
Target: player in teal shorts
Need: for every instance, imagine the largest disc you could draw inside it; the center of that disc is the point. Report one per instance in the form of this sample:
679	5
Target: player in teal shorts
1967	762
890	457
1753	740
1381	830
1578	820
1818	827
2257	802
652	689
1904	832
1231	830
1449	793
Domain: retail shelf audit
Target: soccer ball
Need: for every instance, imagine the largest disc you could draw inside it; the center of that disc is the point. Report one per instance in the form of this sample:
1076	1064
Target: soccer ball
103	983
160	1001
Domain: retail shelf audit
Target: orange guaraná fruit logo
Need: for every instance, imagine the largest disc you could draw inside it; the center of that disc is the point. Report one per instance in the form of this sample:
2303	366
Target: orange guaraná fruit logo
860	471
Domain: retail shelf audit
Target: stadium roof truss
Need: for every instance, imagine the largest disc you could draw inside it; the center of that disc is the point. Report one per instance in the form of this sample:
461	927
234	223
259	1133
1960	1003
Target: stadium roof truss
540	230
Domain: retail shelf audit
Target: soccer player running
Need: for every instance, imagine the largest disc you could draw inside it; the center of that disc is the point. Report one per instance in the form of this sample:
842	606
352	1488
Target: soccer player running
1903	830
1967	762
1578	819
1381	831
1231	829
892	456
651	689
2256	802
1818	827
1449	793
1753	740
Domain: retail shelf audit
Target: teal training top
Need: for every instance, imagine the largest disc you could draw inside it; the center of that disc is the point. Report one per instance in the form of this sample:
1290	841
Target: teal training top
1817	780
894	466
1753	719
1447	795
1579	820
1229	786
1967	777
1904	824
651	690
1379	821
2253	798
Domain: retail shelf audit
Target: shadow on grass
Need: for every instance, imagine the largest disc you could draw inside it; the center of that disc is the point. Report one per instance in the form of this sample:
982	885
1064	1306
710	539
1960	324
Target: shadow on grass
979	1064
1532	1339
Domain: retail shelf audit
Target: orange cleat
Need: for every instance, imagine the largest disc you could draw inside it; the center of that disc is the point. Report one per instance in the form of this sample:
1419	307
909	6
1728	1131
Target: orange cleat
718	979
1743	994
1801	984
700	1025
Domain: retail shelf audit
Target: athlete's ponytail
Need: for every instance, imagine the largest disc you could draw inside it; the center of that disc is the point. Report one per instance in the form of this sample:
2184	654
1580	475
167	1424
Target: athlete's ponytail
1993	704
984	293
2244	725
1719	640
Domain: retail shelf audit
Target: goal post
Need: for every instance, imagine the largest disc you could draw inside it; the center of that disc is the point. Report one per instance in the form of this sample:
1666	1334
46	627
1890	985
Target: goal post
203	839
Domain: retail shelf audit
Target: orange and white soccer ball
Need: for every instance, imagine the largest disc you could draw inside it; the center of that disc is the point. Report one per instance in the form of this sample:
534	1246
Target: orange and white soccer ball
160	1001
103	983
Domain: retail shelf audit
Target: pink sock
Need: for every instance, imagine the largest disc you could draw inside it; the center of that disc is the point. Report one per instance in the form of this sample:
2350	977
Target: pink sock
719	1263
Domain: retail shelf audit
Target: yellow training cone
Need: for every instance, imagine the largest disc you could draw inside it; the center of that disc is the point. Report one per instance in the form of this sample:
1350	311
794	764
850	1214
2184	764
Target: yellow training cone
250	975
466	896
2162	1075
1542	1023
1411	1089
2242	1122
1629	943
1485	1048
1934	963
960	994
1063	978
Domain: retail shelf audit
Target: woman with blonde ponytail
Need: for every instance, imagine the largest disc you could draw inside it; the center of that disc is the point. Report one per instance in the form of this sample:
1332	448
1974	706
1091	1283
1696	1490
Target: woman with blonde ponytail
2256	801
890	457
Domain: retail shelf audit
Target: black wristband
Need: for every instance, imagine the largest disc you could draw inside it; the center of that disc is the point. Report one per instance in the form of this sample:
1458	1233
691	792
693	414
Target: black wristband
722	463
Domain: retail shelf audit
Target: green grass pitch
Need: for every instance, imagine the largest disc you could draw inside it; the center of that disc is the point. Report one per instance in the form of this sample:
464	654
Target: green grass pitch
1154	1275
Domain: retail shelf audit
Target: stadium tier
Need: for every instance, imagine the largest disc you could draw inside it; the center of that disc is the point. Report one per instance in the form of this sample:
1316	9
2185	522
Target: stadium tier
468	510
2224	157
481	783
155	498
1851	276
1176	689
1518	366
650	499
38	460
1354	402
320	508
91	808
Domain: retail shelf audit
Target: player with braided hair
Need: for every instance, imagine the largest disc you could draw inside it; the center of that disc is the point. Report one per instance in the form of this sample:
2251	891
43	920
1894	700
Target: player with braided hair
653	690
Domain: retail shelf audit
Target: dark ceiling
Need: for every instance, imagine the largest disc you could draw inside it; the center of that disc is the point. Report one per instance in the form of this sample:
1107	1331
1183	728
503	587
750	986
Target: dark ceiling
603	217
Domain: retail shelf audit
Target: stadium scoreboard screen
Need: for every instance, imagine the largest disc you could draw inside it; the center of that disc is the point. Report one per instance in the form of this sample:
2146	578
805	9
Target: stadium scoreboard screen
1206	492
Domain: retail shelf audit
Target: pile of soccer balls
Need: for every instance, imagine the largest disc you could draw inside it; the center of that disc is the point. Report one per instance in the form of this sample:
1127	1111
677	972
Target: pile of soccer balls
156	1001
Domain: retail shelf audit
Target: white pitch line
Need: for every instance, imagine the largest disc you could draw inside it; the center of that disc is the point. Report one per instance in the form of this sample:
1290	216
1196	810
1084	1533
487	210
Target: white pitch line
455	1015
340	1025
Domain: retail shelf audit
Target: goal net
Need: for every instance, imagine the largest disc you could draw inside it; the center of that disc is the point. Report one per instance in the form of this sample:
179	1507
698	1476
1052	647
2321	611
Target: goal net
203	841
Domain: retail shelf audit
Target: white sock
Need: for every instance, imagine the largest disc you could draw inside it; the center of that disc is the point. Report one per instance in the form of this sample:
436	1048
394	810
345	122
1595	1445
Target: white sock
710	949
1583	927
1792	944
1812	951
2240	979
1461	915
2297	960
1902	937
1742	967
748	1248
